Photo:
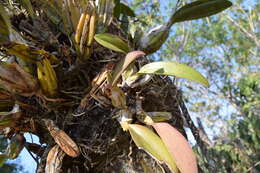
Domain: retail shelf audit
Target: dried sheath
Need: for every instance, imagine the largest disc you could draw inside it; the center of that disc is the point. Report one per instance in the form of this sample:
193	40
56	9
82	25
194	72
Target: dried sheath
62	139
54	160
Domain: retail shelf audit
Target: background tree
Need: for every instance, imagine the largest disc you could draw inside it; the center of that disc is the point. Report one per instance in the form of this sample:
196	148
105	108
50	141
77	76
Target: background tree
226	49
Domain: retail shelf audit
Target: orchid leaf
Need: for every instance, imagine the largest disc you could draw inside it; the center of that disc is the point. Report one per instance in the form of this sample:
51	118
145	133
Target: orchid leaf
172	68
199	9
146	139
178	146
112	42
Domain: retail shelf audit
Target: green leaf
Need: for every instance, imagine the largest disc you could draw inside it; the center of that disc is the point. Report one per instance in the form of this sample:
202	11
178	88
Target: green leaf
112	42
199	9
172	68
146	139
122	8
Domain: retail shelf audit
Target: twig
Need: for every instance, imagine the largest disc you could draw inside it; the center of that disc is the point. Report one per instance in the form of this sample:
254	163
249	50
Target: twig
189	121
34	158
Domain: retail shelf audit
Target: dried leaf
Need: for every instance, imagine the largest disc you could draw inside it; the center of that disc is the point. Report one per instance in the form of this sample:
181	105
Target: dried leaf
62	139
5	95
54	160
16	80
178	146
117	97
124	63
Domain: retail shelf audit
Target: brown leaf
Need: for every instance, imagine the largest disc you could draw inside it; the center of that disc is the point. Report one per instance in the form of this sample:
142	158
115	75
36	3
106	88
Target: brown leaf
16	80
5	95
122	65
62	139
178	147
117	97
54	160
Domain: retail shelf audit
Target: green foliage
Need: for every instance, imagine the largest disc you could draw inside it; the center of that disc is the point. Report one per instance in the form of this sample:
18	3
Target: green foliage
171	68
112	42
146	139
199	9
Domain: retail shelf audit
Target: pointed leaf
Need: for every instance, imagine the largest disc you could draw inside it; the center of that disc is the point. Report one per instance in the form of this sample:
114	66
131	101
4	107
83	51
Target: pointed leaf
112	42
124	63
146	139
178	146
172	68
199	9
122	8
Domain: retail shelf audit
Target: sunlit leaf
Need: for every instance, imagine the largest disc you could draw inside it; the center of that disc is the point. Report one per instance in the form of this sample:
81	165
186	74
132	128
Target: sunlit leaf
146	139
122	65
160	116
112	42
178	146
47	77
199	9
29	53
172	68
